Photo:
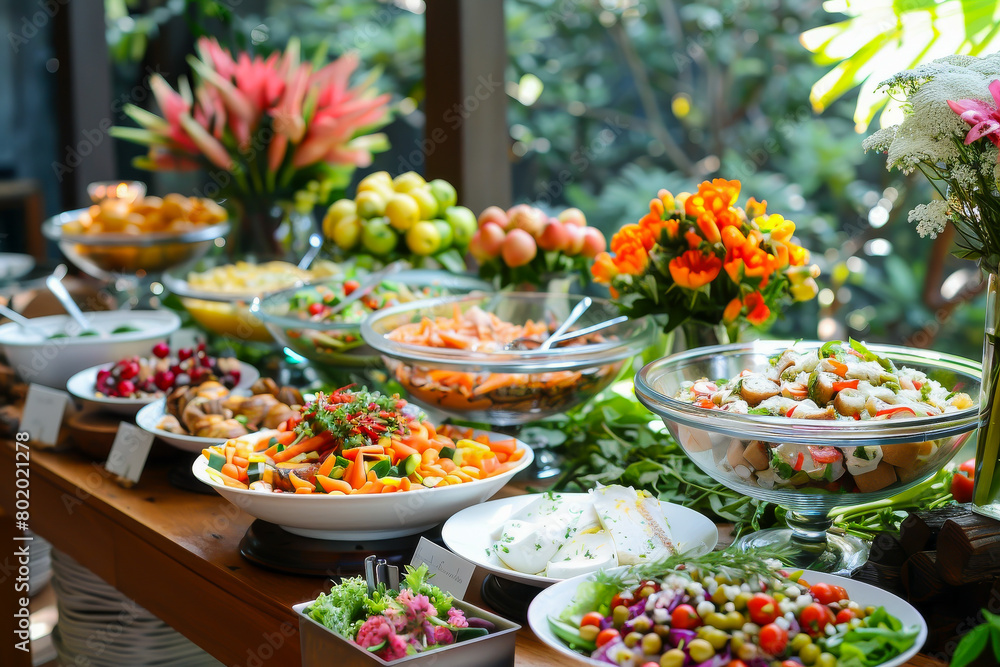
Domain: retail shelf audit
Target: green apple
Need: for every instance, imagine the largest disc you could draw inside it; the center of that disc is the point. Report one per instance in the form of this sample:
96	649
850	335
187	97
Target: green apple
444	192
427	203
377	237
411	180
370	204
346	232
463	223
340	209
423	238
447	235
403	211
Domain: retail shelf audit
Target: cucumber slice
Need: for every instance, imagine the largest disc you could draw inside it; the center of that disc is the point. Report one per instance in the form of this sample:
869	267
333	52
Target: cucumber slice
337	472
216	461
342	462
411	464
448	453
255	471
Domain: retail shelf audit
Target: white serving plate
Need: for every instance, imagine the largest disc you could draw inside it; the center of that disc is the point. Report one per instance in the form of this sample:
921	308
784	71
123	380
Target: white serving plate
553	600
14	265
150	416
82	386
469	534
364	516
51	362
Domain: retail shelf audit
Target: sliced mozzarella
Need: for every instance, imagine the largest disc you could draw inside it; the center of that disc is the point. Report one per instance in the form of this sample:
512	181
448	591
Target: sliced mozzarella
526	546
799	457
582	554
862	459
637	525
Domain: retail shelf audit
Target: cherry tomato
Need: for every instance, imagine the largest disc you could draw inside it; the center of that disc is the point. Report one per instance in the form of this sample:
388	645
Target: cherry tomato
845	615
969	468
350	286
685	617
961	488
814	619
604	636
827	594
763	609
825	454
593	618
773	639
620	599
739	663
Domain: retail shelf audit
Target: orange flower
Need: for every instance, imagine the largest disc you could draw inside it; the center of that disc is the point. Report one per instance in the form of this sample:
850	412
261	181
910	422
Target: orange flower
732	311
631	251
757	311
669	203
715	196
604	269
755	209
694	269
694	241
744	257
781	236
710	230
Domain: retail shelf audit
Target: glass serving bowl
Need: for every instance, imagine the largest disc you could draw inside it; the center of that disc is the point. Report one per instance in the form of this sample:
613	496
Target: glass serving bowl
334	343
226	310
723	444
507	388
106	255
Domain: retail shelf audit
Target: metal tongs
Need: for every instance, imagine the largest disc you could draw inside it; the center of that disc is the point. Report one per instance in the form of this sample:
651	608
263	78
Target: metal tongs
378	571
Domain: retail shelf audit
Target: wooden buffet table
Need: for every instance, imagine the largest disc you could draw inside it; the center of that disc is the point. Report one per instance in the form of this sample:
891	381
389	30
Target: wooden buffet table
176	554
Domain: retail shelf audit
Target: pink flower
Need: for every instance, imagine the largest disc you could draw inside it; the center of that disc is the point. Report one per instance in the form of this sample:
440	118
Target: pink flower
416	607
443	635
374	631
456	617
395	649
984	119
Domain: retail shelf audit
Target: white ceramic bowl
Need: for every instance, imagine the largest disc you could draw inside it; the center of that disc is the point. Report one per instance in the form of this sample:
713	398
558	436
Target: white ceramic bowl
470	534
82	386
51	362
364	516
14	265
553	600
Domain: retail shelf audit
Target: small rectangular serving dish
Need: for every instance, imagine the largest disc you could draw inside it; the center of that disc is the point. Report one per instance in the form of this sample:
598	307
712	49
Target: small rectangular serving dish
322	647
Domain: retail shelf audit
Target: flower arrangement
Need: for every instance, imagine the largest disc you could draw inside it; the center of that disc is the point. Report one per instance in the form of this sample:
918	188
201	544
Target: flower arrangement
278	128
950	133
523	246
699	257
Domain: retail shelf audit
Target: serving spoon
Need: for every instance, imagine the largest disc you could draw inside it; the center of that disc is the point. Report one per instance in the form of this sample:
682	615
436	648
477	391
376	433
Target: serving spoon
524	343
15	316
371	282
54	283
315	243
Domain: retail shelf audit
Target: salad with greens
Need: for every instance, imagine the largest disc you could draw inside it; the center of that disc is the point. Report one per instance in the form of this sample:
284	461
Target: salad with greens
391	624
724	609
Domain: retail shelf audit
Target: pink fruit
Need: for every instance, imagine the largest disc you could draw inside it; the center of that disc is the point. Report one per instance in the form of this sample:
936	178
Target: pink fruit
573	216
184	353
164	380
176	369
554	236
593	242
491	238
161	350
197	374
518	248
574	246
103	375
528	218
476	248
207	361
494	214
126	388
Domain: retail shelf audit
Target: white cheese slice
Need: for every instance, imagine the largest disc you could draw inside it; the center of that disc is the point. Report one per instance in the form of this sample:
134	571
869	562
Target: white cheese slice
584	553
526	546
637	525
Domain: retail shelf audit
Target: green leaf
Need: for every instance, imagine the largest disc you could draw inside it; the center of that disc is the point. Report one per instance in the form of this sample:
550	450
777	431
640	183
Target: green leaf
971	646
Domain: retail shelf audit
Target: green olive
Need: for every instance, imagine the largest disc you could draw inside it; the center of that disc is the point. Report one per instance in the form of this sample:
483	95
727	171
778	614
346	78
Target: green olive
651	644
723	579
673	658
809	653
589	632
619	615
800	641
869	610
642	623
718	639
646	591
716	620
632	638
700	650
702	631
826	660
719	597
734	620
740	601
661	630
747	652
736	642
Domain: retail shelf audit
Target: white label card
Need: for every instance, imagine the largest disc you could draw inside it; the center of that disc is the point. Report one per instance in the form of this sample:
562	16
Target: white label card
43	414
129	451
452	573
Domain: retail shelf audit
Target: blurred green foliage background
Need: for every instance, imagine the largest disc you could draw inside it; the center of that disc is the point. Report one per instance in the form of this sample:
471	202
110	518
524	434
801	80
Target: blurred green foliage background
611	100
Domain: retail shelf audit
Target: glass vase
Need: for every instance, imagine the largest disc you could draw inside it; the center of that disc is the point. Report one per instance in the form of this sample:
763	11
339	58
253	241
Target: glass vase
986	492
269	229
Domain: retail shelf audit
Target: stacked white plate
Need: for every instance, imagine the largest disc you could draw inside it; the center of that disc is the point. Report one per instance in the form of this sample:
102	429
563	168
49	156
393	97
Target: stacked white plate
40	565
101	627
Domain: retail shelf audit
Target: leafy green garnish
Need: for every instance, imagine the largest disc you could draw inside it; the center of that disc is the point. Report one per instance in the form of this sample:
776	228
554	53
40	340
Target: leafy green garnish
784	470
831	348
880	638
416	581
973	644
339	608
868	355
354	417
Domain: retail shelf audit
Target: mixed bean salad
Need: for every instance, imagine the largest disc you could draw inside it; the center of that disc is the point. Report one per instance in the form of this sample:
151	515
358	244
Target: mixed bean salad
725	610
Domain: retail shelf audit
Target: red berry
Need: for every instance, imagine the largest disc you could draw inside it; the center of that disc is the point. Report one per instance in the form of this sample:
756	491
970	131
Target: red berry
197	374
207	361
184	353
201	346
126	388
103	375
130	370
176	369
235	374
350	286
316	308
164	380
161	350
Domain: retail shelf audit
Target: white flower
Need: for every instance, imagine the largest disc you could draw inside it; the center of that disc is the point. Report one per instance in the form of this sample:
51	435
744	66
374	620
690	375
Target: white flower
930	218
965	175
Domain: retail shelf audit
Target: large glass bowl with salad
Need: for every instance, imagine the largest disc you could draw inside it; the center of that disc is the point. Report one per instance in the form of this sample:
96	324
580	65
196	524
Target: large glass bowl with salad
812	426
321	321
453	354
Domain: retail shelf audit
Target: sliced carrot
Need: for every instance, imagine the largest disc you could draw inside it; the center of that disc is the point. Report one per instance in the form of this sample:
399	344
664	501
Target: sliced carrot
489	464
230	470
327	467
329	485
447	465
307	445
298	482
839	367
401	451
355	475
516	456
352	454
235	483
304	489
404	484
388	488
367	488
503	446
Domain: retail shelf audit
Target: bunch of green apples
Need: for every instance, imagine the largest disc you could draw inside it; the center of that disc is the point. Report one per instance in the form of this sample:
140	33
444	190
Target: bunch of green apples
399	217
